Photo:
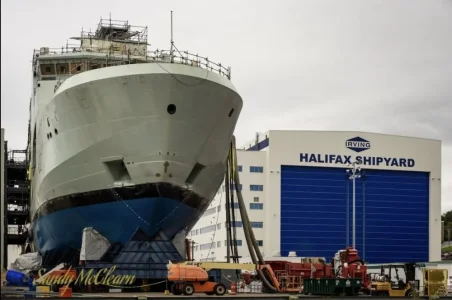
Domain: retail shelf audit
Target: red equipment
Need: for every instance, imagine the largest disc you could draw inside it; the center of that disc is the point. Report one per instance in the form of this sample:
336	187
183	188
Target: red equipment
345	264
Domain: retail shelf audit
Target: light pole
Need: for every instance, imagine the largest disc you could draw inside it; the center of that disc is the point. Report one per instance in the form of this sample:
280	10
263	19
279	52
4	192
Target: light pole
193	243
354	172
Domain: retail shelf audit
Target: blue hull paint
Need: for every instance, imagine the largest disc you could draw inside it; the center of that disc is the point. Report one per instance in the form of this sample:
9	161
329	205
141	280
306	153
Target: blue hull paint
117	221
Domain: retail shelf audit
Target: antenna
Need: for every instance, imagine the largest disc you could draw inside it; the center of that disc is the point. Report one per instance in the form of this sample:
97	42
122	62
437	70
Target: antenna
172	42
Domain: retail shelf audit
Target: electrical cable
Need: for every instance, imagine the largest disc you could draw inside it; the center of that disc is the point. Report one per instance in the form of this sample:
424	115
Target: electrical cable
253	247
228	214
233	167
215	231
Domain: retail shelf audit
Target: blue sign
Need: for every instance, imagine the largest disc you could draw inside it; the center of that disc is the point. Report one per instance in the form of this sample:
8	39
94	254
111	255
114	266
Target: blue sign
363	160
357	144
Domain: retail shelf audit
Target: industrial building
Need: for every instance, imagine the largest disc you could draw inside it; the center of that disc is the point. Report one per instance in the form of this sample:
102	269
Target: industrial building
298	189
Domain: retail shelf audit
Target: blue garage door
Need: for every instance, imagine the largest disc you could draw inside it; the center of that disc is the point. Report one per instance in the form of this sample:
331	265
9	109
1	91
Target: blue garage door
391	213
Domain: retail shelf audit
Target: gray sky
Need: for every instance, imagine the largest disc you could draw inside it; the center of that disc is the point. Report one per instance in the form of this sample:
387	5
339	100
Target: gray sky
383	66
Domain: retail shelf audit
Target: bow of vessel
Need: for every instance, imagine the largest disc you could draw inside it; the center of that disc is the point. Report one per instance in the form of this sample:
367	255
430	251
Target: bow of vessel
124	139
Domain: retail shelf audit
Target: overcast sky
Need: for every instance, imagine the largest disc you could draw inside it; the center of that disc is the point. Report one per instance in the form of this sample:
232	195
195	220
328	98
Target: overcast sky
382	66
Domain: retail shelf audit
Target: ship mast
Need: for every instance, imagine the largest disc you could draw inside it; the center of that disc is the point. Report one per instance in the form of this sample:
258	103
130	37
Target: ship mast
172	41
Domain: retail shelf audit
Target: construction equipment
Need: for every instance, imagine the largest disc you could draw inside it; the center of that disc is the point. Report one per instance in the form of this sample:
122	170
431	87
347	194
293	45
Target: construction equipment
188	279
383	285
345	264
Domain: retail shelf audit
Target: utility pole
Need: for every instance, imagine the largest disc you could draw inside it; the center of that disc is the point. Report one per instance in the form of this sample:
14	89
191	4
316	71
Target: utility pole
354	172
193	250
448	234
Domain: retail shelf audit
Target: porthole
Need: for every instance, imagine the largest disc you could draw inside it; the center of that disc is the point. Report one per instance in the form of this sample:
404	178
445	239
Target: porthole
171	109
56	131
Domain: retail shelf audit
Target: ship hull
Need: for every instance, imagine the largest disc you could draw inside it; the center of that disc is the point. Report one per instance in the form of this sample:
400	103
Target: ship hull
125	129
117	215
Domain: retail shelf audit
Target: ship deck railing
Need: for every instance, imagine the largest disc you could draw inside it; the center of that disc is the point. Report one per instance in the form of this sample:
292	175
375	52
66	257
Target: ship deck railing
127	56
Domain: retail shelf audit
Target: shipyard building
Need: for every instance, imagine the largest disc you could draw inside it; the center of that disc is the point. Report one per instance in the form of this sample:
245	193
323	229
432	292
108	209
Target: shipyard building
299	196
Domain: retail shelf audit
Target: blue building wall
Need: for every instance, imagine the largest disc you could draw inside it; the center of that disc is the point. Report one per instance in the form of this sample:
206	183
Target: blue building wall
392	209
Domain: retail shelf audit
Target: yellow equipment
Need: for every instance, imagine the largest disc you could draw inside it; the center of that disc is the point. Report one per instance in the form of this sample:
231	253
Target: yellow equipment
382	285
435	282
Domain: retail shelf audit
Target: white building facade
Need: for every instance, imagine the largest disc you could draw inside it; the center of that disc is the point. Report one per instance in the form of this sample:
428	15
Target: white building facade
300	197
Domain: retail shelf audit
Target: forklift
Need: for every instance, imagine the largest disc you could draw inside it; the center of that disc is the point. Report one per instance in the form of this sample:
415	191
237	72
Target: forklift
383	285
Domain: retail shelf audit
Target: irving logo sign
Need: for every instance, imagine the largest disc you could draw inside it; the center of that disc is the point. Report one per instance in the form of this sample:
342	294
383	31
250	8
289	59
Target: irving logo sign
357	144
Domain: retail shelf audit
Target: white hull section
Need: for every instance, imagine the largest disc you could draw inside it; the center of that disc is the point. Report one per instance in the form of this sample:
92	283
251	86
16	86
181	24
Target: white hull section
120	112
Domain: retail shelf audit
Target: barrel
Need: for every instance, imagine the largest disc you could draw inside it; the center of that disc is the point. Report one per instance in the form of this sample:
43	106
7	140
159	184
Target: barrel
16	278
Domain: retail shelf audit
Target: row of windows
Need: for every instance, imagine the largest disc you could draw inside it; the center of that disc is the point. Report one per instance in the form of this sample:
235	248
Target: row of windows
212	245
257	206
252	205
253	169
207	246
240	224
253	187
212	210
211	228
206	229
256	187
260	243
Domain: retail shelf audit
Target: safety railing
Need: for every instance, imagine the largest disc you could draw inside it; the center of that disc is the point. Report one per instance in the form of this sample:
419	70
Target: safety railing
19	207
137	56
18	183
15	229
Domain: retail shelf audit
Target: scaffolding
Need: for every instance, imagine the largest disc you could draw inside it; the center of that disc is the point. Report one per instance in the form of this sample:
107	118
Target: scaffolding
119	31
16	200
116	31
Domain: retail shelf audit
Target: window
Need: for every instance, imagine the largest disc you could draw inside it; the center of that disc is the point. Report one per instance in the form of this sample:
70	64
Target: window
233	187
256	199
210	211
257	224
260	243
48	69
240	168
207	229
256	187
207	246
235	224
254	169
218	208
256	205
218	244
235	205
237	242
219	226
197	231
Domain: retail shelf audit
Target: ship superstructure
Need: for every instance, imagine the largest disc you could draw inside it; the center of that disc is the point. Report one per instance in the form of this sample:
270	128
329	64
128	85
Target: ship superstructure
124	139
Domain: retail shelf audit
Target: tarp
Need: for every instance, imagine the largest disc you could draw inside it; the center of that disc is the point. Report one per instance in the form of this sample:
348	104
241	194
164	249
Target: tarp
27	262
94	245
